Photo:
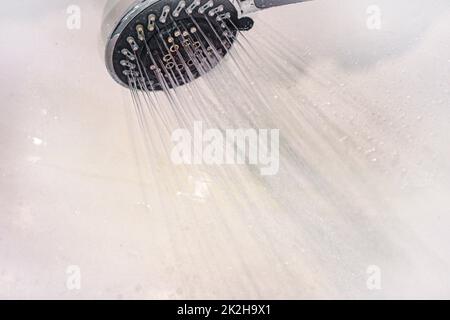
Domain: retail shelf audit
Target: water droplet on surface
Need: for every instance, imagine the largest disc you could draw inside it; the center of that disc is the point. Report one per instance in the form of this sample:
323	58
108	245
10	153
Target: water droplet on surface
37	141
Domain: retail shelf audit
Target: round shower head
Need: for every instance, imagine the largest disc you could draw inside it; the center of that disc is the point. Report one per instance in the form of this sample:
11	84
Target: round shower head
161	44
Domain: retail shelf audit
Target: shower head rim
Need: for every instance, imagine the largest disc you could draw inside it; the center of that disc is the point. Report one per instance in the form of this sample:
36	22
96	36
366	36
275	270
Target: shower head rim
119	26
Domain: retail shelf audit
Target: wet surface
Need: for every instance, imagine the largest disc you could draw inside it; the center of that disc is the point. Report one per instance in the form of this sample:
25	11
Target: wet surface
364	161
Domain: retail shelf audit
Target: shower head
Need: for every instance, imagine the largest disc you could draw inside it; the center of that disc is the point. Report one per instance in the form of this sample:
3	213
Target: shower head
161	44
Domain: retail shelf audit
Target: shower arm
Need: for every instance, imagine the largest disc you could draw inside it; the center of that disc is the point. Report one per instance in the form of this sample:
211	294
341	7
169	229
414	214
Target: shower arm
249	6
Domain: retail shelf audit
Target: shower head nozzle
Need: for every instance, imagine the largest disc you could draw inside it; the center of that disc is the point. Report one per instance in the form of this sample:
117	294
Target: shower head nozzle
162	44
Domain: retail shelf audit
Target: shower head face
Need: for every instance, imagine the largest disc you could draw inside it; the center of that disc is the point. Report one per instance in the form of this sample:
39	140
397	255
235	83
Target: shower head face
163	44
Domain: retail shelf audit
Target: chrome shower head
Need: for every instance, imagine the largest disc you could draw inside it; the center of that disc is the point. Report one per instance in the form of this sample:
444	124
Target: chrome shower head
161	44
